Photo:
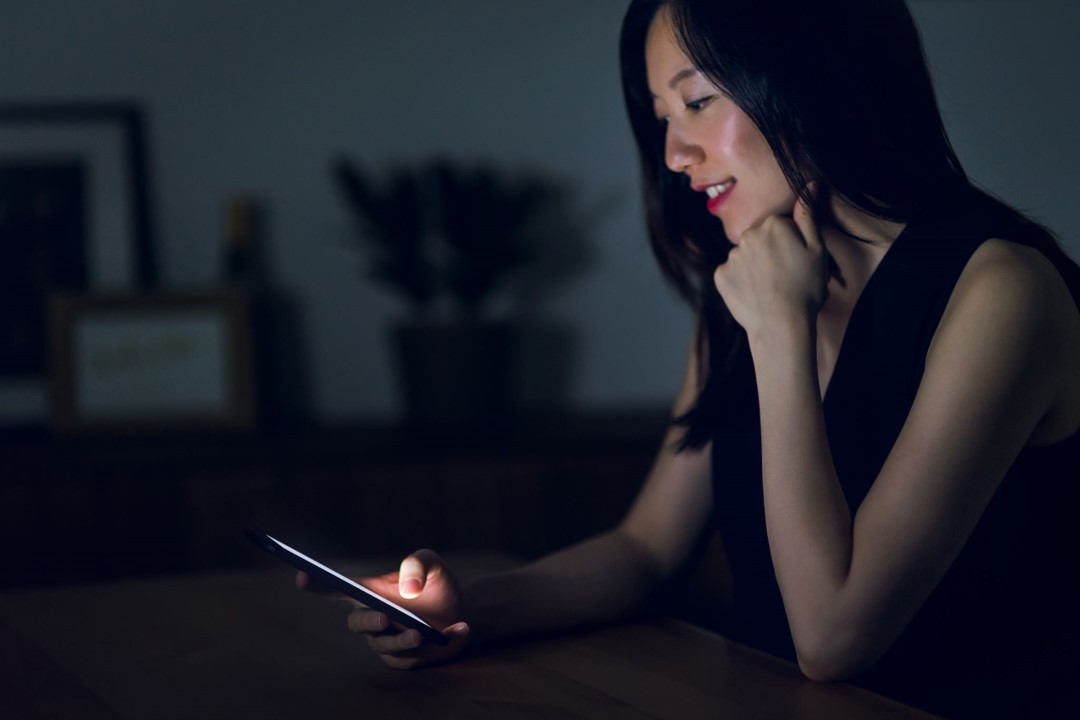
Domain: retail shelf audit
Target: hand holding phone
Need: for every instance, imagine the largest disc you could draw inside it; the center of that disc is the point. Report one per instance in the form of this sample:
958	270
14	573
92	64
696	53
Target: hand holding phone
430	599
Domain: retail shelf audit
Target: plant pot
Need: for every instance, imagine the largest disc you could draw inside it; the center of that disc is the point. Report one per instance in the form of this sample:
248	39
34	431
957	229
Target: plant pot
457	373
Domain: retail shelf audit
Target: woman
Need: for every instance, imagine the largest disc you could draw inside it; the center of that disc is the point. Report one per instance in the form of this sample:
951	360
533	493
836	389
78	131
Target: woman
881	407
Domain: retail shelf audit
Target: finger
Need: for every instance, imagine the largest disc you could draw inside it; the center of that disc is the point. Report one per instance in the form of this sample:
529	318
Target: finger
368	621
416	657
457	630
394	644
720	274
718	279
416	570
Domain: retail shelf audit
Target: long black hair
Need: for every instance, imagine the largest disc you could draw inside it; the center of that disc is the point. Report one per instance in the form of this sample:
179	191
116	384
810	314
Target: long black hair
841	91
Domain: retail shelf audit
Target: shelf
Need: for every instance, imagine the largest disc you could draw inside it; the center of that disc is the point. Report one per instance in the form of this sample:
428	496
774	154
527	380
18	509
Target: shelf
98	507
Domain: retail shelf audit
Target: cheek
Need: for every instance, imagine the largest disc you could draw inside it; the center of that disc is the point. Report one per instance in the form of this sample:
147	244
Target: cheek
770	179
754	150
730	140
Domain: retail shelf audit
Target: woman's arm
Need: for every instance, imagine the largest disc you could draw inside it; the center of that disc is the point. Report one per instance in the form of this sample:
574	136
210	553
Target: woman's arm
604	579
1003	358
613	575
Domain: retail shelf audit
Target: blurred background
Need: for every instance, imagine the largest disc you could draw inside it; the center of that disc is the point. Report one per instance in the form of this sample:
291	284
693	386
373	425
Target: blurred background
228	331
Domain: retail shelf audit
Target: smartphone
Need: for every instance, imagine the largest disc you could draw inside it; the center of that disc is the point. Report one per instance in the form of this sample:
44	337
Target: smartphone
334	580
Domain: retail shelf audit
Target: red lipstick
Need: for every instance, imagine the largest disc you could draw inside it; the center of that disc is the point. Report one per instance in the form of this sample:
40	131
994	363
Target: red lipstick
713	204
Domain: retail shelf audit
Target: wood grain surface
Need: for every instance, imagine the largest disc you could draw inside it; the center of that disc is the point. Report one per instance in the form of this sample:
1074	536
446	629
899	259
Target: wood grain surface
249	645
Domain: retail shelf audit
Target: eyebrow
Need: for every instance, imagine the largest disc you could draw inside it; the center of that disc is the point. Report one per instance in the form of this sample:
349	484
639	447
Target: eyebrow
679	77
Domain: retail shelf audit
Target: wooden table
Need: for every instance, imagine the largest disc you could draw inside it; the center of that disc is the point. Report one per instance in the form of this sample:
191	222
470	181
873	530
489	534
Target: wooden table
248	645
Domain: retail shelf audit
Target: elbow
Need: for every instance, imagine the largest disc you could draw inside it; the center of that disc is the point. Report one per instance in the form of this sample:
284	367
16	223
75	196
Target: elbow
824	669
831	659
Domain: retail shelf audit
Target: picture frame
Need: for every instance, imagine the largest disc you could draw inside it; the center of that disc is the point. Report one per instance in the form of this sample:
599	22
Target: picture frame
74	215
152	362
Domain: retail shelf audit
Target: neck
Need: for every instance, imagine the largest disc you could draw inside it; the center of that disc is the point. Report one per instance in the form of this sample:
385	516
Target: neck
873	230
854	260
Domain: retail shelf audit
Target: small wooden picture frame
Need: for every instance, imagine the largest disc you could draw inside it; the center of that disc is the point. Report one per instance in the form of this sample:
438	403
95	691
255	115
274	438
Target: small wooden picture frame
163	361
76	216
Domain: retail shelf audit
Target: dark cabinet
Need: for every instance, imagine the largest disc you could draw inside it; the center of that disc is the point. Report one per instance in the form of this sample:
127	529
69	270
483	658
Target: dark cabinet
92	508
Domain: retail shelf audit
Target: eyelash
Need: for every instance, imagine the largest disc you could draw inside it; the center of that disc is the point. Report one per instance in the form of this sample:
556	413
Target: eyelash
694	106
698	105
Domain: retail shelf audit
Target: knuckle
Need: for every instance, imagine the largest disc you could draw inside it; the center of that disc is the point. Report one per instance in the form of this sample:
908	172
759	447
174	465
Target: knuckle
381	644
426	556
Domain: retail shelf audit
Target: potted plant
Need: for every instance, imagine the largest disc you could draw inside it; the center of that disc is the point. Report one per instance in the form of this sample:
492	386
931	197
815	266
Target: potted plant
469	247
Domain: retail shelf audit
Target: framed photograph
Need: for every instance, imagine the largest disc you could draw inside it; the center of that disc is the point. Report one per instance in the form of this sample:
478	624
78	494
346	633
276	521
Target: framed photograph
135	362
74	215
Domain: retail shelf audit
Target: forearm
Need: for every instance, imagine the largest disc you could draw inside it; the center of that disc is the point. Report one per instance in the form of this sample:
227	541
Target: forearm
602	579
807	516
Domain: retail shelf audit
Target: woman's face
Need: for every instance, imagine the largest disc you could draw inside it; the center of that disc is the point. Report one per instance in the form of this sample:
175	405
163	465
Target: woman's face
711	140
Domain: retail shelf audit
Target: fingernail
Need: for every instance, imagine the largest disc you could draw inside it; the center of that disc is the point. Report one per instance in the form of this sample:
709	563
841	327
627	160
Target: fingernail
412	638
410	588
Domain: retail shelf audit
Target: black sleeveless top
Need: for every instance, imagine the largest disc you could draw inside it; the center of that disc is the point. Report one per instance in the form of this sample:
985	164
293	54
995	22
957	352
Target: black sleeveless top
996	638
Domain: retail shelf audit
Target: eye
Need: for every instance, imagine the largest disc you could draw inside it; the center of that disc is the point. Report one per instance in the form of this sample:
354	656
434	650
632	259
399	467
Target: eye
699	104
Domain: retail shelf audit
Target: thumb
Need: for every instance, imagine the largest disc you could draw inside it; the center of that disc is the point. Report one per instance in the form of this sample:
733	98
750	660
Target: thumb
414	572
411	577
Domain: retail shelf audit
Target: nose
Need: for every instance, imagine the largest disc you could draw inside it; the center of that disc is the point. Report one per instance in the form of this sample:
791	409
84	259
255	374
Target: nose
679	151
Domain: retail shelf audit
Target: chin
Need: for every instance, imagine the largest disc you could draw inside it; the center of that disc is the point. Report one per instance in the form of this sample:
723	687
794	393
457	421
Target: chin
733	232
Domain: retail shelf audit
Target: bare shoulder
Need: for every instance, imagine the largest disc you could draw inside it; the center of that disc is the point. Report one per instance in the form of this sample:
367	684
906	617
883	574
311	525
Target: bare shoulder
1014	294
1006	281
1015	268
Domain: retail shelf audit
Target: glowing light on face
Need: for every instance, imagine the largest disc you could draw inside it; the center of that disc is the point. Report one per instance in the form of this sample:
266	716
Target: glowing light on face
711	140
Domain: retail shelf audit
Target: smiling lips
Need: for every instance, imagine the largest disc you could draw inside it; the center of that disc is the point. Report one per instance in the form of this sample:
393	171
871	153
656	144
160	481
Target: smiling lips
718	194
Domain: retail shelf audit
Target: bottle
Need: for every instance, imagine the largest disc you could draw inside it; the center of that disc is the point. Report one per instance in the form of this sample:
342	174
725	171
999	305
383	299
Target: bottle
241	232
